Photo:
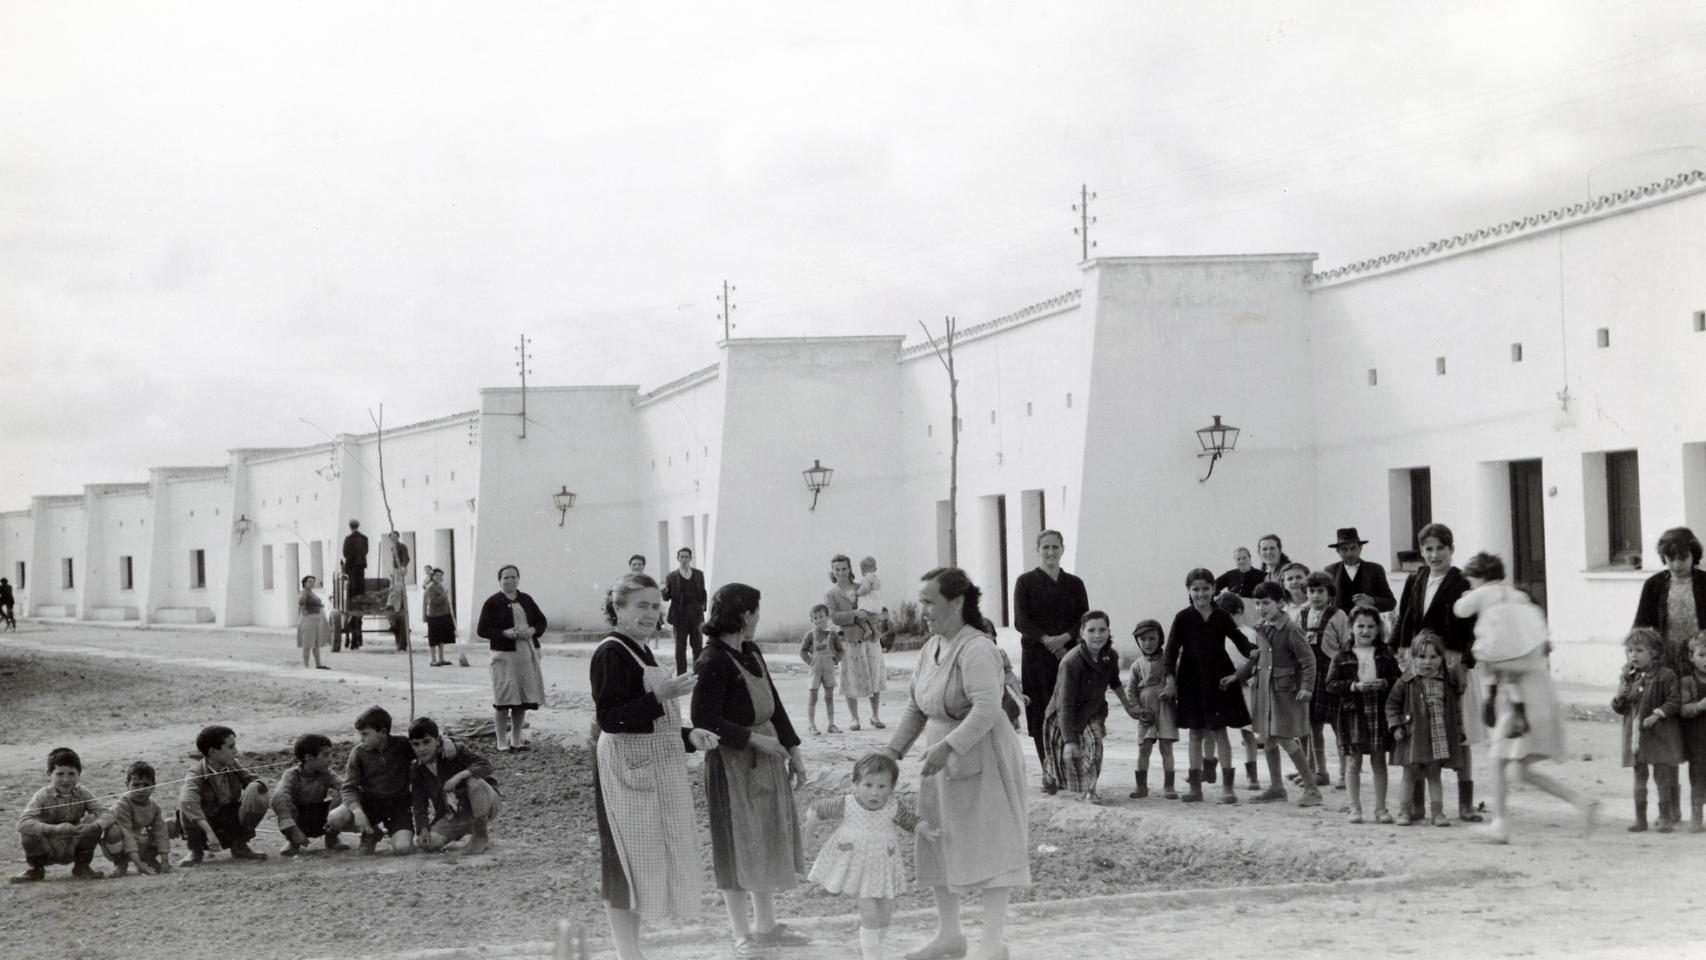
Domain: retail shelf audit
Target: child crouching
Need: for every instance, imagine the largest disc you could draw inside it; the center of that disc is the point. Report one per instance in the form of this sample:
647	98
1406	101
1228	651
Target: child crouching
221	802
63	822
139	836
303	800
454	792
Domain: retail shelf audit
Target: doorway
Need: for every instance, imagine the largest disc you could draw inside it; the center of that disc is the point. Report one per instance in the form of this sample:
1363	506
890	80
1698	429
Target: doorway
1006	582
444	556
292	577
1528	529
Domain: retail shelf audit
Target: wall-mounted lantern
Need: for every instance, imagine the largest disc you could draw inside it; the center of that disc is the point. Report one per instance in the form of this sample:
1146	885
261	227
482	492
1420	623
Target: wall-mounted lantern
242	525
1217	438
816	479
563	500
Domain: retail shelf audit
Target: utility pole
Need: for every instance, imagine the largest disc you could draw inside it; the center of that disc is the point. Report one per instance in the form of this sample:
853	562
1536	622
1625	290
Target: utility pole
1082	208
727	308
522	359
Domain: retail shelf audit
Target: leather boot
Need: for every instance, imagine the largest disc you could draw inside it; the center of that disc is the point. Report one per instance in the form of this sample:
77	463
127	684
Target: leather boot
1250	780
1640	824
1208	773
1168	792
1142	785
1227	784
1696	824
1194	794
478	843
1667	820
1466	802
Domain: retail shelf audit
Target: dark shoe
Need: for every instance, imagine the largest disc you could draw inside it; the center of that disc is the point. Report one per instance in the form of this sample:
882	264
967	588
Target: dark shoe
1049	786
479	842
781	936
1208	773
1142	785
191	859
31	875
1227	794
289	849
83	871
1322	780
1519	721
334	844
1466	802
1273	794
1250	781
1168	791
369	842
241	851
1194	793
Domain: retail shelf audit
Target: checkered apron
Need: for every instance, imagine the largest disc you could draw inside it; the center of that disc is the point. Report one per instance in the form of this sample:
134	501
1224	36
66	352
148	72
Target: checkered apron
649	805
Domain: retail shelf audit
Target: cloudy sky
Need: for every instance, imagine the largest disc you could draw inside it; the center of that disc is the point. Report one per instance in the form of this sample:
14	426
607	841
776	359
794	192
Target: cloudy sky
218	220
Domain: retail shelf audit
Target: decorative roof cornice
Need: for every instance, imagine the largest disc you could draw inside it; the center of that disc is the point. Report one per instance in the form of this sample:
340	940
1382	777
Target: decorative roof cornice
679	384
1623	201
1035	311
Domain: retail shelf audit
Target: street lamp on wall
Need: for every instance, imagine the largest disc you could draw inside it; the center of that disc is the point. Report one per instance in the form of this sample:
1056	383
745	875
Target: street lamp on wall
563	499
242	525
816	479
1217	438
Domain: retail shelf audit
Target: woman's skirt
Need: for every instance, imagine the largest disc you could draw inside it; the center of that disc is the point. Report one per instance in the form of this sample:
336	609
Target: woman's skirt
441	630
978	802
862	671
516	680
1531	675
755	829
1079	775
647	837
313	631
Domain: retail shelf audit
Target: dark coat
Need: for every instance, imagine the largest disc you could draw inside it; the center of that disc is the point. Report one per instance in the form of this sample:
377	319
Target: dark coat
1081	691
496	617
1370	579
1243	583
1195	660
355	552
1406	707
1044	606
687	599
1457	632
1657	691
1361	722
1653	610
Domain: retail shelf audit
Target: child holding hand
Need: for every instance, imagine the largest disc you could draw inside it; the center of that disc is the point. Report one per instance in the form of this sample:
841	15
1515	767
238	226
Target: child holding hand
862	858
1359	679
1157	722
822	651
1427	731
1649	698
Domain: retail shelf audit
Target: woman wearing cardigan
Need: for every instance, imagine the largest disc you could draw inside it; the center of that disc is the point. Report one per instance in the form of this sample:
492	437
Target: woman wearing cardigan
751	776
973	782
513	623
648	844
1426	604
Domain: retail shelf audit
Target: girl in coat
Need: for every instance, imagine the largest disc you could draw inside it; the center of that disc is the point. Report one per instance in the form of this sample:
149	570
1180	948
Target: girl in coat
1359	680
1157	723
1325	626
1195	660
1649	699
1284	668
1423	711
1076	722
1694	729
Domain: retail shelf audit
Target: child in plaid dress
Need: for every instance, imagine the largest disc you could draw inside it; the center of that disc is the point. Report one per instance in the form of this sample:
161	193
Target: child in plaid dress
1427	729
862	858
1326	627
1358	681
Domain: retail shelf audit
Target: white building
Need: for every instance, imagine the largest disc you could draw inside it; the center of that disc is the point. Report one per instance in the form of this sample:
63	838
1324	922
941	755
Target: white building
1536	385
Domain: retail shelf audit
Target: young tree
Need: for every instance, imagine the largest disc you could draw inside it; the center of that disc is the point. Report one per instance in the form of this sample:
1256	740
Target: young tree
945	353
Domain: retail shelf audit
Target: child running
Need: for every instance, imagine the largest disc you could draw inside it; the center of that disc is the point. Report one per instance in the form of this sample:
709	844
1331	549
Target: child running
822	651
62	823
1649	699
1359	680
862	858
139	836
1427	731
1157	722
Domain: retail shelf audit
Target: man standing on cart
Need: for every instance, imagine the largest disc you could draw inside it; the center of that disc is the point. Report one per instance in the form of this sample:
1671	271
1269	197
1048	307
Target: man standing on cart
355	570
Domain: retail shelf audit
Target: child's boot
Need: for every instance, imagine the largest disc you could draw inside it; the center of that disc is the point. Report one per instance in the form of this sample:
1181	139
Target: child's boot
333	843
1667	819
36	872
1640	824
1142	785
1227	785
1250	781
1695	824
1519	721
1466	802
1193	776
478	843
121	864
1208	772
1168	792
82	870
1436	807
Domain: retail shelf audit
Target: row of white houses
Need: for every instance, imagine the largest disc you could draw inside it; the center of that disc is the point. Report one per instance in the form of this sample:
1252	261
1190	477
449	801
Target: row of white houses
1537	385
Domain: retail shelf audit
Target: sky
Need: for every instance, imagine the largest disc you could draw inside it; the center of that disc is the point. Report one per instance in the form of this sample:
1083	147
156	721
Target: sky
245	225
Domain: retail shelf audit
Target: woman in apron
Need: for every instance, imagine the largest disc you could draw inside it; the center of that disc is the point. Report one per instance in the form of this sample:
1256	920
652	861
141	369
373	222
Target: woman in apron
751	776
649	852
513	623
973	784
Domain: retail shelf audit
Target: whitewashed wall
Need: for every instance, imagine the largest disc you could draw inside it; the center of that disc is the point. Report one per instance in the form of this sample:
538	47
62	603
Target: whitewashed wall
118	520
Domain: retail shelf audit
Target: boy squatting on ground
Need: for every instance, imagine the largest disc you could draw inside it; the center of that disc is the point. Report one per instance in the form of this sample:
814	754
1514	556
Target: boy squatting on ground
822	650
376	783
221	802
304	797
63	822
454	792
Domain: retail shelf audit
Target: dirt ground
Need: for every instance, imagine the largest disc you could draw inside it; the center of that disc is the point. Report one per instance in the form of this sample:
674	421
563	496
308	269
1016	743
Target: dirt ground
1149	877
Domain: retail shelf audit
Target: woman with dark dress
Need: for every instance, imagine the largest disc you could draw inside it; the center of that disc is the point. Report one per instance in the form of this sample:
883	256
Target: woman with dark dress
648	844
1429	595
1048	602
512	623
1195	660
750	777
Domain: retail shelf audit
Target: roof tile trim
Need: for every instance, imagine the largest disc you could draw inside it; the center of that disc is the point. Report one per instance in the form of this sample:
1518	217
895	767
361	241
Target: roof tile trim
1690	182
1051	305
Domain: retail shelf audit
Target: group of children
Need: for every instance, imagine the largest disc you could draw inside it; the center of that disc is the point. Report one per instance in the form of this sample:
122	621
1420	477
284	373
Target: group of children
425	785
1661	696
824	648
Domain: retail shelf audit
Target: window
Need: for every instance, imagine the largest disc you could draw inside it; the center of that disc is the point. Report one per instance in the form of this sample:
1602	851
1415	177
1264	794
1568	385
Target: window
198	569
1439	366
1027	408
403	481
266	566
992	416
66	579
21	580
126	574
1603	335
1623	507
408	541
1069	401
1410	493
1700	321
1373	377
1516	353
428	482
1421	502
929	430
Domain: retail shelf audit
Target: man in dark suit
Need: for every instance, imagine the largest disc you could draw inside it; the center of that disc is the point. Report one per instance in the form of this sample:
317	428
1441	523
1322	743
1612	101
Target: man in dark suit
1358	582
684	588
355	568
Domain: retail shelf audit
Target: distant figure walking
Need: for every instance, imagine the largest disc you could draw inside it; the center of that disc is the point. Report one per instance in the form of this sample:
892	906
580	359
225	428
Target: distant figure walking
355	569
684	588
312	630
6	604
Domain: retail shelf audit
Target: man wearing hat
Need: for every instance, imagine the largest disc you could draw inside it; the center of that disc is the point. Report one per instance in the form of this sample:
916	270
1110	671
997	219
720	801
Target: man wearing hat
1358	582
